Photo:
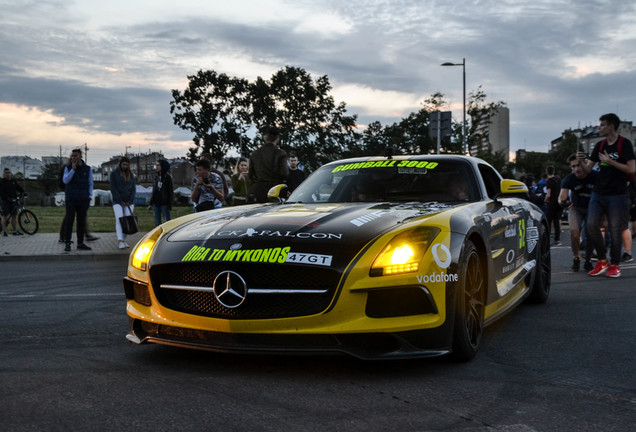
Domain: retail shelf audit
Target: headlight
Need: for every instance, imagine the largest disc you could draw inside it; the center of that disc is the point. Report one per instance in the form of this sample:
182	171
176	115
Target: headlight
404	252
143	250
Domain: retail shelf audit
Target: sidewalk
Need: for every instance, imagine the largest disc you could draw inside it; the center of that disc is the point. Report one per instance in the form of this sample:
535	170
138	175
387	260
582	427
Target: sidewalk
46	246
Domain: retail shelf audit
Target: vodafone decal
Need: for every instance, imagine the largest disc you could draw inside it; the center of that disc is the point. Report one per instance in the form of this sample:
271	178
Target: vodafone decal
442	257
443	261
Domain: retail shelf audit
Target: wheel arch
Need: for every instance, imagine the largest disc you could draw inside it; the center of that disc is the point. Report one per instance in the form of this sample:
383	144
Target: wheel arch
480	244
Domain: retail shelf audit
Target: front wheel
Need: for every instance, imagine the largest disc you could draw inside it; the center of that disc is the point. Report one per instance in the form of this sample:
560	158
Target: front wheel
28	222
469	304
540	289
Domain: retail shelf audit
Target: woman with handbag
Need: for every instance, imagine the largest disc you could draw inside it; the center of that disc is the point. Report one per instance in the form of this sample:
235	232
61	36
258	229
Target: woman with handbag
122	189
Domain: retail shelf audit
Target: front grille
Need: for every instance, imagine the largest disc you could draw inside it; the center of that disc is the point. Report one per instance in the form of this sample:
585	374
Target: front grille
257	276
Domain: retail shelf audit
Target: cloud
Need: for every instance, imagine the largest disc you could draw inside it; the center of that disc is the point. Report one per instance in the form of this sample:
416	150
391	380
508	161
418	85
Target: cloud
25	130
106	69
98	109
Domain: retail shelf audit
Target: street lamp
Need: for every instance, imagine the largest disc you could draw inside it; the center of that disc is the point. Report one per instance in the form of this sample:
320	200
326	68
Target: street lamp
463	65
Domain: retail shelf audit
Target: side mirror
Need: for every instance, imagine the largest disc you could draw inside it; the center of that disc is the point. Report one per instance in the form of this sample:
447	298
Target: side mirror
278	194
512	187
509	187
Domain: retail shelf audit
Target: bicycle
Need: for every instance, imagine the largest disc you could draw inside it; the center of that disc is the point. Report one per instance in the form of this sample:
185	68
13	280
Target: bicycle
26	218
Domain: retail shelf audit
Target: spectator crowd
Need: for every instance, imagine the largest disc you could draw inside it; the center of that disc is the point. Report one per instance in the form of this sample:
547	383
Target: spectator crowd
599	196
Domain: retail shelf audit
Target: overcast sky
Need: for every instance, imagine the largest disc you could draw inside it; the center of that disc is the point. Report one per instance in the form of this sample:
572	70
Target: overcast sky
101	72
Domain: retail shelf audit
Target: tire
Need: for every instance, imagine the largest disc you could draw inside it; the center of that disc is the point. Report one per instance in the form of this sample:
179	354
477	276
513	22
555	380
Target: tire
28	222
540	290
469	303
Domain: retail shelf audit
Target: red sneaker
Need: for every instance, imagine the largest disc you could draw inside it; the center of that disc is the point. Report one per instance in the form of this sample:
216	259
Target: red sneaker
613	271
601	267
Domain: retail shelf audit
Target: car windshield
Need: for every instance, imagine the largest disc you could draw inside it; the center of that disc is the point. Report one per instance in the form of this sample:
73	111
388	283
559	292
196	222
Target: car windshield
390	180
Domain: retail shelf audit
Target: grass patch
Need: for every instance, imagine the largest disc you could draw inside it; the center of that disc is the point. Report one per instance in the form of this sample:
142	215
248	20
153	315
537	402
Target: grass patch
100	219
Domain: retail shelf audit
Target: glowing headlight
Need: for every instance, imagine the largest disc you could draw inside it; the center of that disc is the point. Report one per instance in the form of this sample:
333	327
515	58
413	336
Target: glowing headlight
143	251
404	252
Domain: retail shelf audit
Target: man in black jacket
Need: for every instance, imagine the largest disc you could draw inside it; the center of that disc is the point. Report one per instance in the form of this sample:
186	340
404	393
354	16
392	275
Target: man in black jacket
162	192
553	209
296	176
268	166
9	190
78	179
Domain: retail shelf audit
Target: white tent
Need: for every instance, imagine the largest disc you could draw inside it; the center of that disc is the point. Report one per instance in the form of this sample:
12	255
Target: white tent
142	195
60	199
182	195
100	195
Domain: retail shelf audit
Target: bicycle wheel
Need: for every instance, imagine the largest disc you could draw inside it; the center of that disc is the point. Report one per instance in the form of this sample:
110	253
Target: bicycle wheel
28	222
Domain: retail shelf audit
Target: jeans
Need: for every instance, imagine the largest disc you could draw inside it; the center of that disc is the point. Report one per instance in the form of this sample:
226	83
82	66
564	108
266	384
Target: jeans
79	207
577	219
159	211
553	213
616	208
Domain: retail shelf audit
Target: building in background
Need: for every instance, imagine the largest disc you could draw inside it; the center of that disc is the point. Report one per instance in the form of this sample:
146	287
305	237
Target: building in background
48	160
28	167
141	164
182	171
588	136
97	173
495	132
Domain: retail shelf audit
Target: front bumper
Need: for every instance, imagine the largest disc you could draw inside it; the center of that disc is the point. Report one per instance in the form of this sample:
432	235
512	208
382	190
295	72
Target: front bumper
366	346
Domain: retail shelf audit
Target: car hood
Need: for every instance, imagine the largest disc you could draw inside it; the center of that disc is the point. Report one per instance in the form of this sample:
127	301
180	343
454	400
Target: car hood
339	230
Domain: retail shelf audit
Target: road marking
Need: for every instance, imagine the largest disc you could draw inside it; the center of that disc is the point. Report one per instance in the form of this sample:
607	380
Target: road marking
30	296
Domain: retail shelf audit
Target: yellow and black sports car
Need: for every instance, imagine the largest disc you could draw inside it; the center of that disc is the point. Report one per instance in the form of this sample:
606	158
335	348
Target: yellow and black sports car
375	257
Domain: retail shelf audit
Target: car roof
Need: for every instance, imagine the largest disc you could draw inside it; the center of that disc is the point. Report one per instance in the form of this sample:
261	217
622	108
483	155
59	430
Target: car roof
428	157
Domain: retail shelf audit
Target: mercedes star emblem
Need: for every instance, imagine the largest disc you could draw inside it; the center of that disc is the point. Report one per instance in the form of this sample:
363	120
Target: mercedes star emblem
229	289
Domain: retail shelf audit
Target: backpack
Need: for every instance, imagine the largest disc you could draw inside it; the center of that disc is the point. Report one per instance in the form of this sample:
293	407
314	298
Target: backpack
630	177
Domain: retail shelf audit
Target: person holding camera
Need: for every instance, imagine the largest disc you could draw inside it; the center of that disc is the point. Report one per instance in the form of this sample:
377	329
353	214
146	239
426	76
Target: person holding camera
207	187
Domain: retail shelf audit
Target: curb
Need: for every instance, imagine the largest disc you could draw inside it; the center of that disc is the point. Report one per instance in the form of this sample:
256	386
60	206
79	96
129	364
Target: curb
45	247
65	257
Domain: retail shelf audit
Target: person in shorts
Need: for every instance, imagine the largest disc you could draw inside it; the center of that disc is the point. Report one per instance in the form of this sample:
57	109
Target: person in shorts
576	190
9	192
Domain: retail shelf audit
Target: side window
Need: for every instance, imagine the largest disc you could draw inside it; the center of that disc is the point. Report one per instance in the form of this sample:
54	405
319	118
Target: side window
491	180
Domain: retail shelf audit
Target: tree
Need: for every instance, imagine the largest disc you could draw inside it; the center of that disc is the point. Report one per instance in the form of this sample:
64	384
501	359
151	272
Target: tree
373	141
479	112
221	110
410	135
312	125
497	159
533	163
215	107
452	144
559	156
50	178
435	102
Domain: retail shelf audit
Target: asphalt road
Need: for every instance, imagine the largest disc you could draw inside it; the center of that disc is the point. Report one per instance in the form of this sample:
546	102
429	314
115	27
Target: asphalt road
65	365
